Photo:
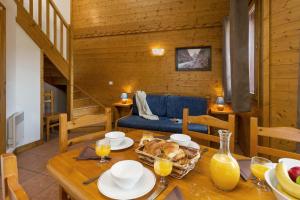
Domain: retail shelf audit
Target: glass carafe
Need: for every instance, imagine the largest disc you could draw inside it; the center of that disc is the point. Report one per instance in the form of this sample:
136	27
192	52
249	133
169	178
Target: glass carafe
224	169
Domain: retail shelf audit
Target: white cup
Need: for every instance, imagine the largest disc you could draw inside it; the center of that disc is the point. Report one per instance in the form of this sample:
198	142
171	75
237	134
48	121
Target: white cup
181	139
127	173
115	137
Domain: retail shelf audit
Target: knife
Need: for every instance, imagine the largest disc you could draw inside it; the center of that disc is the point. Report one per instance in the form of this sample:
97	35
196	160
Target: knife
90	180
157	192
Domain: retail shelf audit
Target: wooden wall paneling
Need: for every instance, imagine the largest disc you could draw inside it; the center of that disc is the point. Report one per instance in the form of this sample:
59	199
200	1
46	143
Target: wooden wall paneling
264	70
2	79
284	32
127	60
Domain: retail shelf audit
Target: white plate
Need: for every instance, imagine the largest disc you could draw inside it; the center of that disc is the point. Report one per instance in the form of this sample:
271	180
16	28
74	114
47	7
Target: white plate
128	142
109	189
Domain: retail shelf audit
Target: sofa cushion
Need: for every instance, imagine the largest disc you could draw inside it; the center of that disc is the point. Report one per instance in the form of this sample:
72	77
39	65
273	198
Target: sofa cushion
164	124
157	105
176	104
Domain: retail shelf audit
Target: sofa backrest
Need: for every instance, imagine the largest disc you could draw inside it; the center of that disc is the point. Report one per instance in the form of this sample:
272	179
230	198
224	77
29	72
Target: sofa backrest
172	106
176	104
157	105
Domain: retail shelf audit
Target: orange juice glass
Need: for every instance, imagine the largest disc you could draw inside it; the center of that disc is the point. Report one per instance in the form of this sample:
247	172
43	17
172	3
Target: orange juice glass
259	166
163	168
224	169
103	149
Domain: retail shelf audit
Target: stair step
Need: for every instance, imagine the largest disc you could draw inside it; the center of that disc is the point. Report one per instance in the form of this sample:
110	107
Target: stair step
78	95
89	110
83	102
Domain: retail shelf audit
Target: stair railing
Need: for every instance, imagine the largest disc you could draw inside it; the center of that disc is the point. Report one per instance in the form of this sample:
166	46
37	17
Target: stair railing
52	20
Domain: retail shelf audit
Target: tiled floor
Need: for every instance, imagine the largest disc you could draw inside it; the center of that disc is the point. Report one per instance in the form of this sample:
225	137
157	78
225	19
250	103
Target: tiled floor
33	174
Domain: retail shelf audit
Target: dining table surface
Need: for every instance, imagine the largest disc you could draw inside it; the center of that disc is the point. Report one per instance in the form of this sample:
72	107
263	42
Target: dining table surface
70	174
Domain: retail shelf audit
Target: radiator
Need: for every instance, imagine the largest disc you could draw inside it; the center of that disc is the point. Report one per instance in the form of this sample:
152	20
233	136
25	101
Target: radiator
15	131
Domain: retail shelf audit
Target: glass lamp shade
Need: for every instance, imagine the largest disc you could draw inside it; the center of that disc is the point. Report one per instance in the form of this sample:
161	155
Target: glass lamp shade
124	97
220	103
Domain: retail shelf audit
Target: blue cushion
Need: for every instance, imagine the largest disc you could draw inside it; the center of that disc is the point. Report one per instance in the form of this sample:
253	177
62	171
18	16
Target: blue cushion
157	105
164	124
176	104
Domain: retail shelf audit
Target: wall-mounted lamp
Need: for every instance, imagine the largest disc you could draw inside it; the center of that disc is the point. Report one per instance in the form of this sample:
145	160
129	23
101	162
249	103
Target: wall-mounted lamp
158	51
124	97
220	103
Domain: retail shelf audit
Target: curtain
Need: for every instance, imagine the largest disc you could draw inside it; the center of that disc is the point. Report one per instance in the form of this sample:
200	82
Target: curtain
226	60
239	30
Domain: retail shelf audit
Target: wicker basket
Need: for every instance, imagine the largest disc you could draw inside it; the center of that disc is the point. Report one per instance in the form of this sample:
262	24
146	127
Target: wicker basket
179	171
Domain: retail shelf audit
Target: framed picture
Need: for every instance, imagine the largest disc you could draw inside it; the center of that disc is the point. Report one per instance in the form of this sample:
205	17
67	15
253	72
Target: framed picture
193	59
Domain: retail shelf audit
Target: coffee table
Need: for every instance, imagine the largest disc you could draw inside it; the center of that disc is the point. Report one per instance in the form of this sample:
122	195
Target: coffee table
70	174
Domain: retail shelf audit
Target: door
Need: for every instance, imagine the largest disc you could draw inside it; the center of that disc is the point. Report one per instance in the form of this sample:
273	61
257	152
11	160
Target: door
2	80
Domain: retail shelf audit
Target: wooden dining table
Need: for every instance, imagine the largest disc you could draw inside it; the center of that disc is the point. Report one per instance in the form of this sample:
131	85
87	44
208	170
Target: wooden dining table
70	173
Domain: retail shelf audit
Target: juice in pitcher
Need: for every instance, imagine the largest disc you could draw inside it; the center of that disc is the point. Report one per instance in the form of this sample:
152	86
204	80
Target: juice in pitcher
224	169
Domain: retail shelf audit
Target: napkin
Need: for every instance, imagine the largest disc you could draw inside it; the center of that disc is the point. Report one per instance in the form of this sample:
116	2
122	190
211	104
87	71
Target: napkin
88	153
175	195
245	168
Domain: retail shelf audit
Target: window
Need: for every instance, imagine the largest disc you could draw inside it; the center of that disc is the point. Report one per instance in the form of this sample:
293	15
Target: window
227	62
252	49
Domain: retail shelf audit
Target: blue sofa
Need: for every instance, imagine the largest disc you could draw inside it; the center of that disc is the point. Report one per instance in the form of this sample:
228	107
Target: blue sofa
167	107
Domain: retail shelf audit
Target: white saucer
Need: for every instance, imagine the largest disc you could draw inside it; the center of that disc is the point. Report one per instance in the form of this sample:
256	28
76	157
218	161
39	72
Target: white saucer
128	142
109	189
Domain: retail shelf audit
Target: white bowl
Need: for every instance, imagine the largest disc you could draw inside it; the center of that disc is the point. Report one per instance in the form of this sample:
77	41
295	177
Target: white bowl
272	180
115	137
181	139
126	173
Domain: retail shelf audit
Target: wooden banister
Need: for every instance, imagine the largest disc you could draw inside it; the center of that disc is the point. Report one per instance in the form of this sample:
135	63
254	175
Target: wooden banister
55	28
31	7
40	13
57	18
61	38
48	18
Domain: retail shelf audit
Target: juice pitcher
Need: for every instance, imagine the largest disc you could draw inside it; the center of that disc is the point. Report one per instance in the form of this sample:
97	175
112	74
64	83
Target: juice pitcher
224	169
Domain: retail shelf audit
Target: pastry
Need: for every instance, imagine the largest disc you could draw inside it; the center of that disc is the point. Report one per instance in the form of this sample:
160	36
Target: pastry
170	149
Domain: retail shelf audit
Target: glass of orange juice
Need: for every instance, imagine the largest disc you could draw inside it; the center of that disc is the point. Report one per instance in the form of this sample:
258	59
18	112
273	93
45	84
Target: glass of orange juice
103	149
258	167
163	168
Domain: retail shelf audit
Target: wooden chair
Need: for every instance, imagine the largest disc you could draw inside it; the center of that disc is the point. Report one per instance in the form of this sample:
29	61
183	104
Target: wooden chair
87	120
49	99
11	189
210	122
284	133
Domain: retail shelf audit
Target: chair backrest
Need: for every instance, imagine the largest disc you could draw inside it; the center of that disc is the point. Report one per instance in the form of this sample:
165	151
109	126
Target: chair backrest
210	122
284	133
11	189
84	121
49	99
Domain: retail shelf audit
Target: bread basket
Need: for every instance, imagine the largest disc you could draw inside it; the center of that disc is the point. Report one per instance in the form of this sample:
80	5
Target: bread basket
179	170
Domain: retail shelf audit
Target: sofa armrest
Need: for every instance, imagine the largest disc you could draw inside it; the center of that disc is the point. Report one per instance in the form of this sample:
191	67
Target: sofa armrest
117	121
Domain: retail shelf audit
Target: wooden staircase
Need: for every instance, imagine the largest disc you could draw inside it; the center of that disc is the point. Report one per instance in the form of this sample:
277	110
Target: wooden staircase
84	104
50	32
43	22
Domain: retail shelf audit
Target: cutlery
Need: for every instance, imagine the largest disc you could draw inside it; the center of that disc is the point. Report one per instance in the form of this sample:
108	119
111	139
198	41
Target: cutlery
90	180
157	192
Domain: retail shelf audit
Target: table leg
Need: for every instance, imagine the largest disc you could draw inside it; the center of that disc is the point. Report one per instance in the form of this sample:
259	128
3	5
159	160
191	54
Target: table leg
62	194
